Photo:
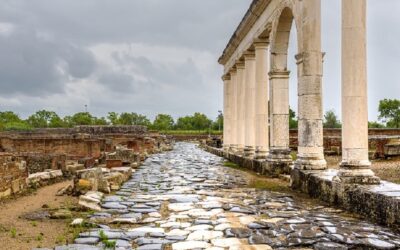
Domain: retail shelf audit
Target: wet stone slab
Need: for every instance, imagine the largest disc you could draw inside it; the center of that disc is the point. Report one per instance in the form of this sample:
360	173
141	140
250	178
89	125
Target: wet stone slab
186	199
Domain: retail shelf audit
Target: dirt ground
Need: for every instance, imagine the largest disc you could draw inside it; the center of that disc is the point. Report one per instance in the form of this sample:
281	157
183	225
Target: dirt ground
16	232
388	170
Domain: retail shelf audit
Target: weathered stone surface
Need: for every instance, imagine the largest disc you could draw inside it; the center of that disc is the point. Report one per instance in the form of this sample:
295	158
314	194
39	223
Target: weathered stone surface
201	215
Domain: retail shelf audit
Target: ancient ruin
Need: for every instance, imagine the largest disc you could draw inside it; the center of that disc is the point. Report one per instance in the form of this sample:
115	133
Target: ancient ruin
256	104
45	156
124	182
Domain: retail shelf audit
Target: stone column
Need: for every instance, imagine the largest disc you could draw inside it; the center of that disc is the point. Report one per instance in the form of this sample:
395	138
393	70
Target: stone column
309	60
355	166
226	112
279	156
250	82
262	94
240	81
233	109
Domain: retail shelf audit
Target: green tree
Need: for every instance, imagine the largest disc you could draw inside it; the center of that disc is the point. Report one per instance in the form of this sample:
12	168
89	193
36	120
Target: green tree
113	117
11	121
100	121
141	120
293	123
375	124
9	116
389	112
201	122
218	124
45	119
184	123
163	122
81	118
331	120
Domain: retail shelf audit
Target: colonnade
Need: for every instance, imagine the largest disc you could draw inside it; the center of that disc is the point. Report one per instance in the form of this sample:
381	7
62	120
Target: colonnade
256	93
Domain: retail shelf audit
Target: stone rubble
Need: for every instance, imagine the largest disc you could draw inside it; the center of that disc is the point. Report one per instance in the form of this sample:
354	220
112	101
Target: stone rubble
186	199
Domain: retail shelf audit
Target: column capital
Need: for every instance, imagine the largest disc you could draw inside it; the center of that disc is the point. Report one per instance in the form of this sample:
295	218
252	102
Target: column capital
249	55
226	77
239	64
232	70
261	43
279	74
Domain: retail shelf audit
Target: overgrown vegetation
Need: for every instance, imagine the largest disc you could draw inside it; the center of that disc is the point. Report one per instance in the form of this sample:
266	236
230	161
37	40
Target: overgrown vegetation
107	243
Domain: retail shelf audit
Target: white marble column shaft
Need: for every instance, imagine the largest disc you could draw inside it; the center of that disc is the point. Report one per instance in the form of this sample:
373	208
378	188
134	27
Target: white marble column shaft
250	85
279	101
226	112
355	166
310	111
234	119
241	106
261	100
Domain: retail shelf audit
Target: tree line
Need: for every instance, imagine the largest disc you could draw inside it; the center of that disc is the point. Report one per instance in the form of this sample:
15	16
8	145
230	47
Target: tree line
389	117
162	122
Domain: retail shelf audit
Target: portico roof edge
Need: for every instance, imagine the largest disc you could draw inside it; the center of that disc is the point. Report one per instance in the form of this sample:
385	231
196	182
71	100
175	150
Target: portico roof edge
255	9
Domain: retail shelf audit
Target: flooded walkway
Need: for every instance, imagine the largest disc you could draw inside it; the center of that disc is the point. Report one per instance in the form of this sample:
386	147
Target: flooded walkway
187	199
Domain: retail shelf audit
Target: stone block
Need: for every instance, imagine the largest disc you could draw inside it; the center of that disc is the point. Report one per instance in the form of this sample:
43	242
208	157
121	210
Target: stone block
113	163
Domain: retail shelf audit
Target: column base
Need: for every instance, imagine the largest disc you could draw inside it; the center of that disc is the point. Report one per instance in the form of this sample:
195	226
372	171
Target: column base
240	150
279	162
232	148
260	153
310	163
351	173
248	152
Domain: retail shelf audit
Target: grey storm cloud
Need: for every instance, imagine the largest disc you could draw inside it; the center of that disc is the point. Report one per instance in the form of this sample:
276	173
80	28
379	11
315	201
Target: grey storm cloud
49	54
182	75
32	65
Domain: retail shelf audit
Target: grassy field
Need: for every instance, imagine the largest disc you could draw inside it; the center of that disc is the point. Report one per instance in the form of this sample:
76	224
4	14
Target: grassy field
191	132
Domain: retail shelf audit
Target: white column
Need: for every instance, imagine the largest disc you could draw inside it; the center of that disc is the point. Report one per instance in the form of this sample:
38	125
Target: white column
310	149
279	112
355	166
262	94
226	112
234	102
240	81
250	76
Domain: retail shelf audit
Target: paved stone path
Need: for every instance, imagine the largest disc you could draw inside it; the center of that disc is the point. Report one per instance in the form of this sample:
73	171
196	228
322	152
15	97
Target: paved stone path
185	199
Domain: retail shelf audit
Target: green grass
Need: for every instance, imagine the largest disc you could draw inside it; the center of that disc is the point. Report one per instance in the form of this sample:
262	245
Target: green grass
293	155
231	165
191	132
258	182
268	184
107	243
13	232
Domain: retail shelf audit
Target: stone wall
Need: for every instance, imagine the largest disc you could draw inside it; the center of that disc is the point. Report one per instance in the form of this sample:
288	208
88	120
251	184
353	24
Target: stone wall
39	155
40	162
377	139
13	174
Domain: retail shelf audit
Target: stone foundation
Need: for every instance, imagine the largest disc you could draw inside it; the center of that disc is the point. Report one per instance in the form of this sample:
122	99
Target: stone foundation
379	203
263	167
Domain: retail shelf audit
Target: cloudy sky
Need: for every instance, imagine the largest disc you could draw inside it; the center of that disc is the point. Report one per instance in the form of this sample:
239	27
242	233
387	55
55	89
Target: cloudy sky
156	56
